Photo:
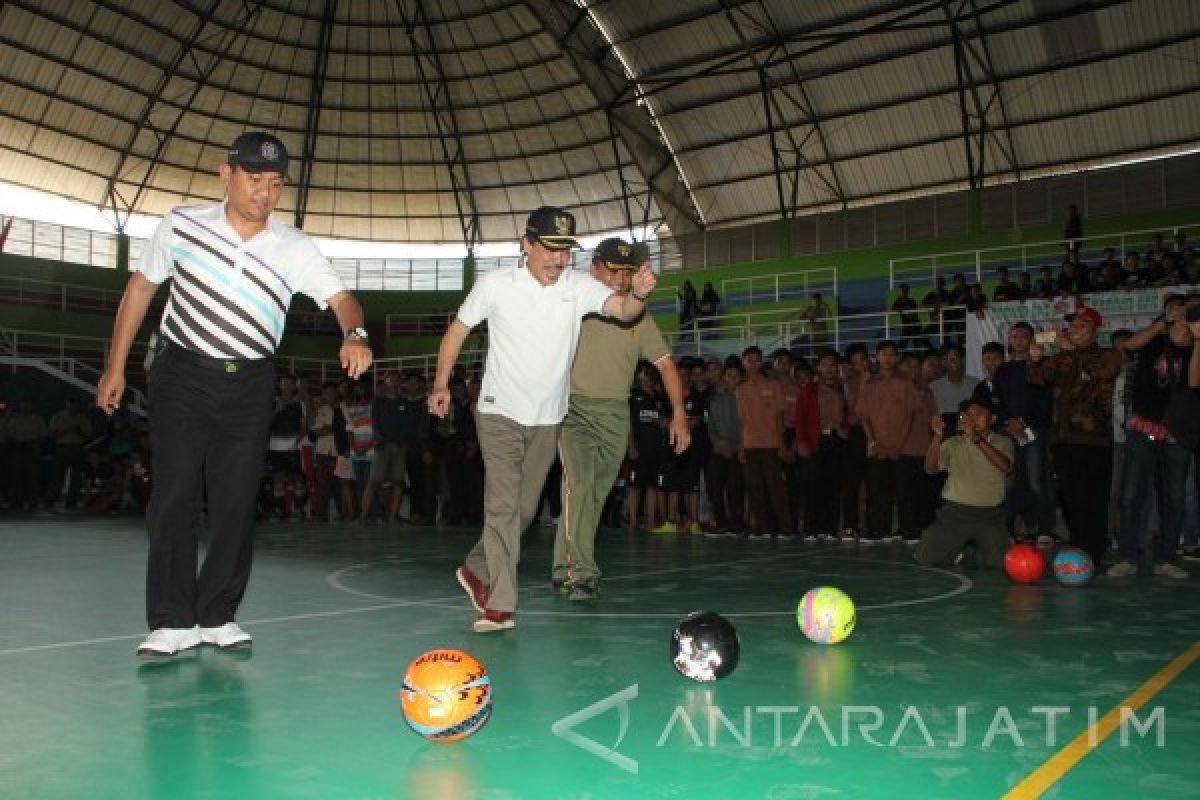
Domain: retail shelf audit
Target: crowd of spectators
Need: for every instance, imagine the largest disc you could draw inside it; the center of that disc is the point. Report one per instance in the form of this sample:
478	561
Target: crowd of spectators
77	459
836	449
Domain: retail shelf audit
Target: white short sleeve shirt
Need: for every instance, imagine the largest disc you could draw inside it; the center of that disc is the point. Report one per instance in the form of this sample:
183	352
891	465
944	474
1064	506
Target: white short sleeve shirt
532	333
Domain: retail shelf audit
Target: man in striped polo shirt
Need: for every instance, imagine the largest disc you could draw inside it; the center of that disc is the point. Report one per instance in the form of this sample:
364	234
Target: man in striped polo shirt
233	270
534	311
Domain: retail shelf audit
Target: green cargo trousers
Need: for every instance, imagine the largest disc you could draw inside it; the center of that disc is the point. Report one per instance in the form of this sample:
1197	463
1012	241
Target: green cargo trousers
591	445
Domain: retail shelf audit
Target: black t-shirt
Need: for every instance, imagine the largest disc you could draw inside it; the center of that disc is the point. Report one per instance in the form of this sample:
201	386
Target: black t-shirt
1005	292
1161	369
907	308
645	411
288	418
695	406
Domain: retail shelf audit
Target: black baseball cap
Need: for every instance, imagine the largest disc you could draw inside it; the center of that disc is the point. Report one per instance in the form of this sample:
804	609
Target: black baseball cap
979	400
553	227
616	253
257	151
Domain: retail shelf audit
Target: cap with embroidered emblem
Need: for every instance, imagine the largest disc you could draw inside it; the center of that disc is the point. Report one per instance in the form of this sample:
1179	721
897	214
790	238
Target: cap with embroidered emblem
553	227
258	151
616	253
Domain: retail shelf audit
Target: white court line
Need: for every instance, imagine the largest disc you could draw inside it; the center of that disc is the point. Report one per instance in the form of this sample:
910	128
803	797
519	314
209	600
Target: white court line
965	585
333	580
265	621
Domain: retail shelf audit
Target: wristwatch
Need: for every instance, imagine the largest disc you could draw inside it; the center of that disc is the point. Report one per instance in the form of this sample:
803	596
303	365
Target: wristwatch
357	333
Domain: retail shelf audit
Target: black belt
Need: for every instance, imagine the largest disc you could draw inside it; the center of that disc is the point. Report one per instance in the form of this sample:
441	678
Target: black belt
229	366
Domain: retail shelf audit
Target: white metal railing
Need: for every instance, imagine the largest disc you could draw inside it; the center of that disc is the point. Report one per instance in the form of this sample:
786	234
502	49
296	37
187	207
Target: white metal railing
21	291
769	288
781	285
433	324
772	329
79	358
982	263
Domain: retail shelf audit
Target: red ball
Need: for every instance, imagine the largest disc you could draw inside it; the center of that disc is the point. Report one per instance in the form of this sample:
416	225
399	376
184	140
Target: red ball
1023	563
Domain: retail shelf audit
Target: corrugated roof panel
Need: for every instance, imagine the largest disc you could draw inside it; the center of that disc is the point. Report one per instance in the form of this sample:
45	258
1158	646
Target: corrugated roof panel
523	80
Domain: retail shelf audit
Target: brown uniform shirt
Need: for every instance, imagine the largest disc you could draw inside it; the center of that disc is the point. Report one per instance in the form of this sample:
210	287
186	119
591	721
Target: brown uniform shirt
920	435
760	407
886	407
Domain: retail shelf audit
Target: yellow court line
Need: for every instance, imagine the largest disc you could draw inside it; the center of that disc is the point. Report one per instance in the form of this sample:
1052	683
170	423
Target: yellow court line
1049	773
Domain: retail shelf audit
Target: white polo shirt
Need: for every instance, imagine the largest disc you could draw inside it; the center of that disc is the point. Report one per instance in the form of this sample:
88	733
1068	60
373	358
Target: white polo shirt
229	298
532	333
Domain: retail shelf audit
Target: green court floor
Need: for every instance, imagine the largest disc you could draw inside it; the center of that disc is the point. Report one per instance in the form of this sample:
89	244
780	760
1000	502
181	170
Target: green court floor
954	685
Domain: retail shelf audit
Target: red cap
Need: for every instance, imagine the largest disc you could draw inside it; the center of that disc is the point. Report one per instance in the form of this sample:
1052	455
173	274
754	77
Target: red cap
1087	315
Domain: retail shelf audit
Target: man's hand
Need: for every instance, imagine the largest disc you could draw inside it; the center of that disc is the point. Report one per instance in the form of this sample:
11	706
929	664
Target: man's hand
644	281
439	401
356	357
938	425
109	391
1016	429
964	426
679	434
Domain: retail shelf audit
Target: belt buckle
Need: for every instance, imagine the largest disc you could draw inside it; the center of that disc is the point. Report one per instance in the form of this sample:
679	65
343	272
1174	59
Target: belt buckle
231	367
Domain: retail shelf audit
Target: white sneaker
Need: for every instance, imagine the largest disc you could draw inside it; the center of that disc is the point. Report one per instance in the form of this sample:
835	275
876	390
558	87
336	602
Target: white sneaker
492	621
229	636
166	642
810	538
1169	570
1126	569
784	537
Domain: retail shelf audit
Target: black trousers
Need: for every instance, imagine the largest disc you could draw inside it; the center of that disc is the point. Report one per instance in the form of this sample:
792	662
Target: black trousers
209	440
883	484
725	484
917	495
1084	482
766	492
854	473
825	487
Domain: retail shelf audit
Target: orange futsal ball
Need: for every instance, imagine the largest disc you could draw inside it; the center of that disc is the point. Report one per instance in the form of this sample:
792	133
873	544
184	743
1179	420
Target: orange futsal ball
447	695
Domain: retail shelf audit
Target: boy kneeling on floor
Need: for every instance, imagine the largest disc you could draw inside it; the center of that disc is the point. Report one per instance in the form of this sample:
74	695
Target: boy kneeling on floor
977	463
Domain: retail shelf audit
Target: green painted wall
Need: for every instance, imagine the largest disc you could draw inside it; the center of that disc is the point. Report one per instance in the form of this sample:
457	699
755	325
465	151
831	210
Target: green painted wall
873	261
851	264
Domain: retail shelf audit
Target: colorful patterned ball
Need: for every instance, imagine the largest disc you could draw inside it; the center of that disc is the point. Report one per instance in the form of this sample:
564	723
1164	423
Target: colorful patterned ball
826	615
1023	563
447	695
1073	567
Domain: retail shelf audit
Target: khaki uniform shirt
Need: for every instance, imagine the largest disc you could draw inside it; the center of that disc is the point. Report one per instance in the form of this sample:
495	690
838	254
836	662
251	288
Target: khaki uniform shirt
971	478
608	353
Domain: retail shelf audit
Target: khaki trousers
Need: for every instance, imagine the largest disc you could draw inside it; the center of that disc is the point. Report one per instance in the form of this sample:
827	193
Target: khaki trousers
516	459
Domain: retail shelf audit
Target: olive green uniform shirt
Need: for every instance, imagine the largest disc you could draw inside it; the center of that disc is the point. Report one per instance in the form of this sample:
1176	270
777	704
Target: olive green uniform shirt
608	352
972	479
